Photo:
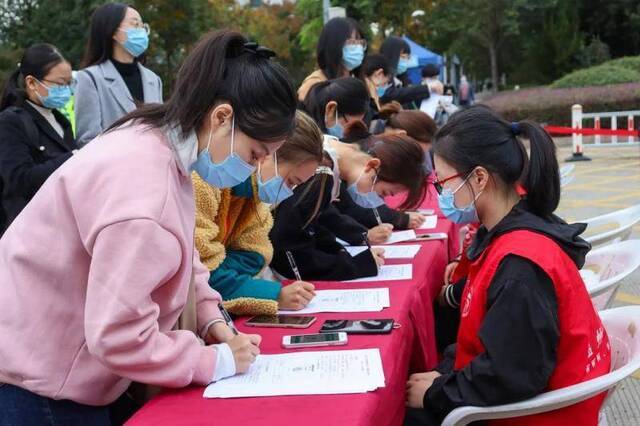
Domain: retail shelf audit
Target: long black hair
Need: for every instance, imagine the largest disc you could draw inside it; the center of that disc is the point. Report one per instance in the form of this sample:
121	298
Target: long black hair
391	49
223	66
478	136
36	61
350	93
105	21
332	38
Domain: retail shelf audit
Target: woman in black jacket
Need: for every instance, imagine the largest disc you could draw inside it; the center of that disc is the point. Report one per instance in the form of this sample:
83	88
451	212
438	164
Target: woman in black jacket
398	54
35	139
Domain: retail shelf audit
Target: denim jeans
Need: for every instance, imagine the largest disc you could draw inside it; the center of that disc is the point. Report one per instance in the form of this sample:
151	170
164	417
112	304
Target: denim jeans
19	407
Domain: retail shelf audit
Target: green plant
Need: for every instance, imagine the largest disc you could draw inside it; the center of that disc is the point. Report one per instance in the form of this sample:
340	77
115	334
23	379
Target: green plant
600	75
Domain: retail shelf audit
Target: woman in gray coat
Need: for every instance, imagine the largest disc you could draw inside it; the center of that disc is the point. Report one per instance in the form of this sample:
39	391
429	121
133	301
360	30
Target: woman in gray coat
113	82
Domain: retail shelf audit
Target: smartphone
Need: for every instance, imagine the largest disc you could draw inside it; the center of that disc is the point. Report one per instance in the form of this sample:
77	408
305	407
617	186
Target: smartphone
375	326
281	321
314	340
431	236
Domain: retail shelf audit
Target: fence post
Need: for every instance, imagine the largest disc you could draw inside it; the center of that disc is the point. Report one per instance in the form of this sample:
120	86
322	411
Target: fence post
630	127
576	123
596	125
614	126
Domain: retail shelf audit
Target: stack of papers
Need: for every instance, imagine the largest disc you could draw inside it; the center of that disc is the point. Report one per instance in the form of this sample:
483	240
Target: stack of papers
430	222
400	236
360	300
389	273
305	373
407	251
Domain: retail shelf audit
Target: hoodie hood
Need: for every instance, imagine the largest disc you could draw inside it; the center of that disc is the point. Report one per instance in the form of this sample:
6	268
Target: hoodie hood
521	218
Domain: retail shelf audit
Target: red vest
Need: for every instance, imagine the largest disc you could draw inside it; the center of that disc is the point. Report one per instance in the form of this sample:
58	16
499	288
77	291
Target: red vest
583	351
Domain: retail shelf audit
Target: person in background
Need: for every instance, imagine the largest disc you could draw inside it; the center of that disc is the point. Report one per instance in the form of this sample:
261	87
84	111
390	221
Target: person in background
466	96
415	124
334	104
35	137
101	281
113	81
430	78
340	51
527	322
232	226
398	54
377	75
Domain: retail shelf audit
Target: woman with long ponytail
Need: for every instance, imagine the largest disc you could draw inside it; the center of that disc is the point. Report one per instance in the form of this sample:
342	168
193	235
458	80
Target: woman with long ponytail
527	324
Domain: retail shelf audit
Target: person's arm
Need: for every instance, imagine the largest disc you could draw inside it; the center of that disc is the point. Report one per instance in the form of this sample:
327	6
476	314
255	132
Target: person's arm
131	260
19	172
405	95
87	109
520	334
343	226
234	278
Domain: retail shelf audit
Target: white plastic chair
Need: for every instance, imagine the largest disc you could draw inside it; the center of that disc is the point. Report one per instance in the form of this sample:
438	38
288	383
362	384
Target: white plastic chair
615	226
606	267
623	327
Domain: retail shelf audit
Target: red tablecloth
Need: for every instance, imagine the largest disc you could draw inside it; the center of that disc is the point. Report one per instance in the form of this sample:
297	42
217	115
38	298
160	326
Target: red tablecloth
411	348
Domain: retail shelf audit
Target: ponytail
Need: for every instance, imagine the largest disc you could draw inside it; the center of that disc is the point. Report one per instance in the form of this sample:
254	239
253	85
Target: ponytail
478	136
349	93
36	61
389	110
541	177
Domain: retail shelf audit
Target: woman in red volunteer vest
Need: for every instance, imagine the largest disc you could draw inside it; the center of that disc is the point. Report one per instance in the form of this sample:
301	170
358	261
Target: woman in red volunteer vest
527	323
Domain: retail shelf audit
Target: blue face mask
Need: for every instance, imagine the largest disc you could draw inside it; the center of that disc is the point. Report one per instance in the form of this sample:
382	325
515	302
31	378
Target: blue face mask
231	172
382	89
404	64
336	130
368	200
352	56
275	190
447	204
137	41
57	98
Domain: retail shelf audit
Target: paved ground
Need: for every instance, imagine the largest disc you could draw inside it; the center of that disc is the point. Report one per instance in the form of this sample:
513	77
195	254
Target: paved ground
609	182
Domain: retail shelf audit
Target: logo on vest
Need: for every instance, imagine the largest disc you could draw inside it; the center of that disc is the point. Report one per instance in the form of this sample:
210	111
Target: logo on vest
467	301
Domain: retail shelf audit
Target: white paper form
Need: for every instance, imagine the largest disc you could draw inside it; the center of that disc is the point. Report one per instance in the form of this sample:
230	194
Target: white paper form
305	373
400	236
357	300
405	251
430	222
389	273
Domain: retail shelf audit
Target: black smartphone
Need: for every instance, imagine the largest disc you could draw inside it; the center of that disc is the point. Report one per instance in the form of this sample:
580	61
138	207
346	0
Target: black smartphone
374	326
283	321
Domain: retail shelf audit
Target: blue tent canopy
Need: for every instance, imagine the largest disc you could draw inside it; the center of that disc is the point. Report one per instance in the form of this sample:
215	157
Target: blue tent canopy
425	56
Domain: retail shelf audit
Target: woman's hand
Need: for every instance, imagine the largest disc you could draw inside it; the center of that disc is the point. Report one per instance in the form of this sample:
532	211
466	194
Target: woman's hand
378	256
417	387
218	333
245	349
449	270
296	295
416	220
379	234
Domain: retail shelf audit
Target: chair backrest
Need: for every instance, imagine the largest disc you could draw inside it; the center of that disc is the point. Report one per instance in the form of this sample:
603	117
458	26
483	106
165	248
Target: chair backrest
605	268
623	328
615	226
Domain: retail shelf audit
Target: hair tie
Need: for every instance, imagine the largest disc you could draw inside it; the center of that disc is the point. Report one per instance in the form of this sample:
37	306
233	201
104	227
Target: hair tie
255	49
515	128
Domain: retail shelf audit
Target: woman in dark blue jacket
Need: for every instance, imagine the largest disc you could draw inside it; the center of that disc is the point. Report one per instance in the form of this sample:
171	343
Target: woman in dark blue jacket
35	138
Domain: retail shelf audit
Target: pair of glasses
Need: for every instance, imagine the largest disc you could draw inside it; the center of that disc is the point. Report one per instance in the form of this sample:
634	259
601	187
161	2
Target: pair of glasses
437	184
356	42
139	25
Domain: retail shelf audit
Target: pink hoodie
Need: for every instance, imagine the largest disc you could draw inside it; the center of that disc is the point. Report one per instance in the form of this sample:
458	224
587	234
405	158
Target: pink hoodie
95	272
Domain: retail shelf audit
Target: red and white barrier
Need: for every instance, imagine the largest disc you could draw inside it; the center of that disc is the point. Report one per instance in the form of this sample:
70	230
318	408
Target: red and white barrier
577	130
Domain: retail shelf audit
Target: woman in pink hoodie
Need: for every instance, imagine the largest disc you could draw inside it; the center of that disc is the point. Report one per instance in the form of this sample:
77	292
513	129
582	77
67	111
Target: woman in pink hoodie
99	282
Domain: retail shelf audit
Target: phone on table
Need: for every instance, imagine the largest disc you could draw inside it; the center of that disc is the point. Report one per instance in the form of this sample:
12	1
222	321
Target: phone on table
314	340
431	236
375	326
281	321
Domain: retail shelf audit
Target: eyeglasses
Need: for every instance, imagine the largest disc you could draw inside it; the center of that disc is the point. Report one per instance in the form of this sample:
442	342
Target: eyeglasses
52	84
356	42
138	25
437	184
